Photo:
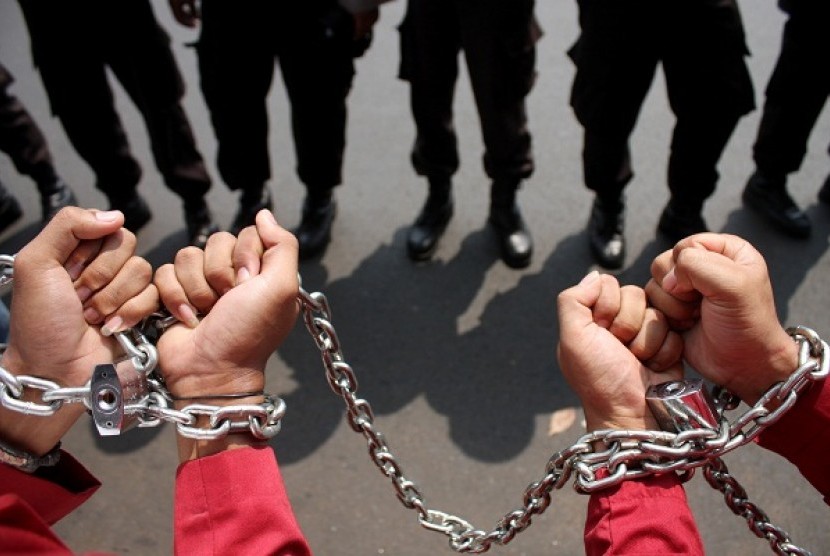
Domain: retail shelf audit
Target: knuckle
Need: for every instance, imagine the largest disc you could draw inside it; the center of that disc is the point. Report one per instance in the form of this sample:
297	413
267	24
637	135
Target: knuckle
202	297
188	254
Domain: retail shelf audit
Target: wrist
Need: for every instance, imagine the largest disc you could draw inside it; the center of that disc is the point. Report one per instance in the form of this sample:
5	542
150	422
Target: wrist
194	448
21	429
596	420
780	362
190	449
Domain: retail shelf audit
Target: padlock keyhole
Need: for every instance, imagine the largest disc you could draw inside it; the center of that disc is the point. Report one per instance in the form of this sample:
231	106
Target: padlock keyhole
107	400
674	388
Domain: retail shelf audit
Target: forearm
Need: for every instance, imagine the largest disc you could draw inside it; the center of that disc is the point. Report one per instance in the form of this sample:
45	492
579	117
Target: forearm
642	516
802	436
51	492
34	434
190	448
235	502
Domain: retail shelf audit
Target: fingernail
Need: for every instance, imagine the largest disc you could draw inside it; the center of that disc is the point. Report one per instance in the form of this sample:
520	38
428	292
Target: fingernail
589	278
91	315
242	275
83	293
669	281
75	270
112	326
188	316
107	216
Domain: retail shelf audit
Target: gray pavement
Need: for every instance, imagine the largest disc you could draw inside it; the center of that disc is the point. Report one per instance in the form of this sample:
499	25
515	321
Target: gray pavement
456	356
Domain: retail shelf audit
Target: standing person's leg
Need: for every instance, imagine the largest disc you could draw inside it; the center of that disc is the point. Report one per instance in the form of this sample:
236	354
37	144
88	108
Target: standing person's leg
709	90
430	43
317	65
236	67
615	57
795	96
10	209
141	58
499	43
66	51
22	139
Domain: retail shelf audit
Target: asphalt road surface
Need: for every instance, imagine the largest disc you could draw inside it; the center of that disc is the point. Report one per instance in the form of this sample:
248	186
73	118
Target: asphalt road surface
457	356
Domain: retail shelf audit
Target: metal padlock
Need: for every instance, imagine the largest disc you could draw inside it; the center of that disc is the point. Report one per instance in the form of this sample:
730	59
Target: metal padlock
682	405
112	388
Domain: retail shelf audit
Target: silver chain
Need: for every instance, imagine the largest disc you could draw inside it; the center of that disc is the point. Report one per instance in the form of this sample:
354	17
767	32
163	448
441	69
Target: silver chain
262	420
153	404
619	455
623	454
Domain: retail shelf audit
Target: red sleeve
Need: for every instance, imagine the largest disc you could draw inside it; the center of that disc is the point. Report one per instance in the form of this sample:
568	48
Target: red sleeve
802	436
51	492
235	503
29	503
640	517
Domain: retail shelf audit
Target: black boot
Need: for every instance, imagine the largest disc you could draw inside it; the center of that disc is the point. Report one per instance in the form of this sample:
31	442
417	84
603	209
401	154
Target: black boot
605	231
314	232
515	243
768	196
54	198
135	209
250	203
431	223
199	221
679	221
10	209
824	193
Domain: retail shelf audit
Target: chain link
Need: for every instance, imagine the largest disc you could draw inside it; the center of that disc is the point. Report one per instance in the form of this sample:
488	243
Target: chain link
597	460
623	454
6	273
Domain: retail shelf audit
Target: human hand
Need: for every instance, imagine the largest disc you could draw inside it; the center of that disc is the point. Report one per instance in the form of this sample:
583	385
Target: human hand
186	12
75	284
612	348
716	289
247	289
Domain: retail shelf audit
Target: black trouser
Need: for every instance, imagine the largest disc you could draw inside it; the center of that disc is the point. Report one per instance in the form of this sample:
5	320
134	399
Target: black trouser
22	139
73	49
498	40
237	50
797	89
701	46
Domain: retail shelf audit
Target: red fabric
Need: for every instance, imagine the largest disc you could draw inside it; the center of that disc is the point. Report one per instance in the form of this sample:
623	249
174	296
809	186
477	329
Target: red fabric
29	503
643	516
651	516
24	532
235	503
802	436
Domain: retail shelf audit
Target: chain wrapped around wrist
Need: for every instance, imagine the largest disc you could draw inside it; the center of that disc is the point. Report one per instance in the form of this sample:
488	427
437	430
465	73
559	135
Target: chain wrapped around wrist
622	454
27	462
142	399
626	454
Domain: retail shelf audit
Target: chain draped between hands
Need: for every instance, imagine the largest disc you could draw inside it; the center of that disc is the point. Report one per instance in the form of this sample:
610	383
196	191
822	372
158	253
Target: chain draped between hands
620	454
623	454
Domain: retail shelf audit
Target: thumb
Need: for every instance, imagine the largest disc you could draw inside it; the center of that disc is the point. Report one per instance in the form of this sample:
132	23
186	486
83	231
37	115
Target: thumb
715	265
62	235
281	249
575	303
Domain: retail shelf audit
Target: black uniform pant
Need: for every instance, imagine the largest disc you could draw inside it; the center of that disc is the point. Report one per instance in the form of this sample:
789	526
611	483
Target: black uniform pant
498	40
22	140
797	89
701	46
74	44
238	47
